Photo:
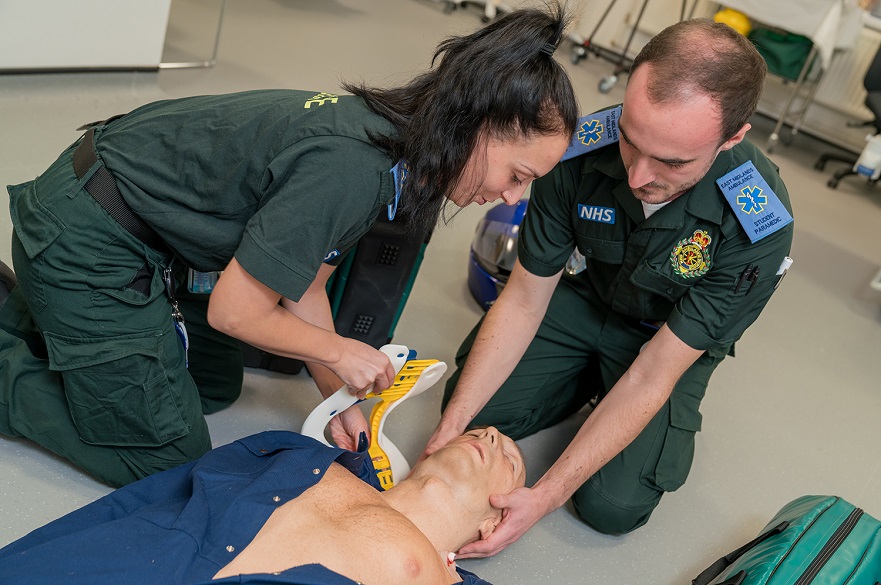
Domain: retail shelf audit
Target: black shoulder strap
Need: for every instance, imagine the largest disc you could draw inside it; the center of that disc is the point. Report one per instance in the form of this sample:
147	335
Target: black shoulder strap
714	570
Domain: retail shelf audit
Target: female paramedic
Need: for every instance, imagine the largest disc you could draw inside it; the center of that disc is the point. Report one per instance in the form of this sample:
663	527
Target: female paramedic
104	361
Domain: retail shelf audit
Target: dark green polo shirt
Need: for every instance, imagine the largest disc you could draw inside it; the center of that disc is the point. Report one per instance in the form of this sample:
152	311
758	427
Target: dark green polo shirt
630	260
280	179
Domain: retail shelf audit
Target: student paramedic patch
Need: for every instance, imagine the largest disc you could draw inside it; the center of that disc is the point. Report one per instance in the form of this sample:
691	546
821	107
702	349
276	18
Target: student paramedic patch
594	131
757	207
596	213
690	258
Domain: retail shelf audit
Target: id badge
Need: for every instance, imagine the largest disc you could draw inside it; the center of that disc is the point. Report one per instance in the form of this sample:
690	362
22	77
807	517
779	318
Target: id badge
201	282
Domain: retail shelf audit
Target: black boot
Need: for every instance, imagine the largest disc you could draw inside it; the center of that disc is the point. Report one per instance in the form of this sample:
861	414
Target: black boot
7	282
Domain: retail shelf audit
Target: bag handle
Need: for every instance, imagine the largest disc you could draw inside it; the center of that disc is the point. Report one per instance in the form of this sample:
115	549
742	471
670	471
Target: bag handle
714	570
737	579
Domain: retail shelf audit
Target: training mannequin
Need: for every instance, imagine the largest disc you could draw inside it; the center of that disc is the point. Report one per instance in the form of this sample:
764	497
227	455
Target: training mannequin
280	504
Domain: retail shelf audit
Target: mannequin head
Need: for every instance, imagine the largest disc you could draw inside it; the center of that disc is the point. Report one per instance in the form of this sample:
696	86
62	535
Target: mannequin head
460	477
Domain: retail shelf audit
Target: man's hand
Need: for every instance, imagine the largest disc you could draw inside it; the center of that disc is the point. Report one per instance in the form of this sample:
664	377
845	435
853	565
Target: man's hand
347	426
521	509
442	435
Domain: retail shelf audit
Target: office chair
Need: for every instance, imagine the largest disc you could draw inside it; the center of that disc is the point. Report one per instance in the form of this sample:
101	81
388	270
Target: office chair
872	83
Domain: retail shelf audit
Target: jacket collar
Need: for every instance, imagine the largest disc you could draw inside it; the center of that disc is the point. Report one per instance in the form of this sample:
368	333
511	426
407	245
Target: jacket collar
707	207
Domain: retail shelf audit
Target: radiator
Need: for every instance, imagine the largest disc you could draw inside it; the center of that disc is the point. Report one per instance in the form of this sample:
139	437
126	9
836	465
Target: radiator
841	88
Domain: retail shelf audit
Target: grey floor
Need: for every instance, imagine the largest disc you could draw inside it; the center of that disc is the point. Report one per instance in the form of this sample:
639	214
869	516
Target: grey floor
795	413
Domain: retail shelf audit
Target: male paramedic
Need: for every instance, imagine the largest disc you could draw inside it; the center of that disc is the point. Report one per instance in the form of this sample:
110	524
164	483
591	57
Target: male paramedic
278	507
641	260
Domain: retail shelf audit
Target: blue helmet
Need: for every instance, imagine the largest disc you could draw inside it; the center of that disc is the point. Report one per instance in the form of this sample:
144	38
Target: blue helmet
493	251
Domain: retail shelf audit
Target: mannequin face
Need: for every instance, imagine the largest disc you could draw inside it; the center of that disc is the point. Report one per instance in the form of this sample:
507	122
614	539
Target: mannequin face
476	465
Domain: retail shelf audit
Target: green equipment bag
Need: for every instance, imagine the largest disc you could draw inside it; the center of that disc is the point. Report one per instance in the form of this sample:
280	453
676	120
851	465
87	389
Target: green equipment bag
820	540
784	52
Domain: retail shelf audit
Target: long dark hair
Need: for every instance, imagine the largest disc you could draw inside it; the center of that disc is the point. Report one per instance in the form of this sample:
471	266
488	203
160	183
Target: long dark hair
501	80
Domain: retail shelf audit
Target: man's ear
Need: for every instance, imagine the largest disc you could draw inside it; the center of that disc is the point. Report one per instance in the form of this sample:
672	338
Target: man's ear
736	139
487	527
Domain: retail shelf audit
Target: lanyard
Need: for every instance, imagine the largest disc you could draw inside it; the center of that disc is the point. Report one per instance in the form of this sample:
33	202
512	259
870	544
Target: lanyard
400	172
176	315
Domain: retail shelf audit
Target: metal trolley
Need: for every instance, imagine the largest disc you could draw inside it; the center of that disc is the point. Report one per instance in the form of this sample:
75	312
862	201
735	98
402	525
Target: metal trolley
583	47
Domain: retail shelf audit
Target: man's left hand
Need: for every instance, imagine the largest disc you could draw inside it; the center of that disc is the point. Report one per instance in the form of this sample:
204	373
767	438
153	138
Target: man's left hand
521	509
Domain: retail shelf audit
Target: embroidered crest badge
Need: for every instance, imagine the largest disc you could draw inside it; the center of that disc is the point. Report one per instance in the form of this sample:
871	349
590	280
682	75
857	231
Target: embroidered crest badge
690	258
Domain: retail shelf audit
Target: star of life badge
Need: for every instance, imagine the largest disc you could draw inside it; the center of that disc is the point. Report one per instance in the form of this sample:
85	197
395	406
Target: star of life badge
594	131
690	257
756	206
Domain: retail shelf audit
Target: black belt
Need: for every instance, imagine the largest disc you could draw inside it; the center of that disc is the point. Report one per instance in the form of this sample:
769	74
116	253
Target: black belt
103	188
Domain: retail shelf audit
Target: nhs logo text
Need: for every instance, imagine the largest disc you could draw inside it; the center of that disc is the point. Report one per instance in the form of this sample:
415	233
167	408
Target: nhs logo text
596	213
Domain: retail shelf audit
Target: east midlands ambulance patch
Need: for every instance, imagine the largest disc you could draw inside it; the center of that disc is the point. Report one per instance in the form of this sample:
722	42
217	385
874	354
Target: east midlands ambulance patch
594	131
756	206
690	258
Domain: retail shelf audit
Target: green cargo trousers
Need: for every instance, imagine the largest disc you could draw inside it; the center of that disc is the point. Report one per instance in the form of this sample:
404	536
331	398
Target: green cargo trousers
91	366
580	350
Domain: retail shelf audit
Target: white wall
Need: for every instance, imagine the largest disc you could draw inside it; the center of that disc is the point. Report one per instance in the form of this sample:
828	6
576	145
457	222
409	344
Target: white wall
78	34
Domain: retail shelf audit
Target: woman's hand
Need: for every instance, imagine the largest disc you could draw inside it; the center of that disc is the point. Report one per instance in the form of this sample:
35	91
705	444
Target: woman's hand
361	367
347	426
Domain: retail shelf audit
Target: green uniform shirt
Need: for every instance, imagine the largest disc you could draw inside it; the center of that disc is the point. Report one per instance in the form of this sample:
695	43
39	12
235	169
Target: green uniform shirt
630	262
280	179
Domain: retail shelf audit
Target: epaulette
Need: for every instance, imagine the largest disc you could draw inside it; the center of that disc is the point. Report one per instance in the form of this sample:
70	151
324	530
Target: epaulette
756	206
594	131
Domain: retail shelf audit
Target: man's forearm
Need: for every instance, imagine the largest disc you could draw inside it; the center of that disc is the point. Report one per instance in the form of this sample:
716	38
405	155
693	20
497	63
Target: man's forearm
615	422
620	417
495	353
507	331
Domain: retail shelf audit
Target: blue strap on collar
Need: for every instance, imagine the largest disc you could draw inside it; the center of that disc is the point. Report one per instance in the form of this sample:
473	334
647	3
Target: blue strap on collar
594	131
400	172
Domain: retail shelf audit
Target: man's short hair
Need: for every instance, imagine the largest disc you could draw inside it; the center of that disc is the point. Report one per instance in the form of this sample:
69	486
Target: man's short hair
708	57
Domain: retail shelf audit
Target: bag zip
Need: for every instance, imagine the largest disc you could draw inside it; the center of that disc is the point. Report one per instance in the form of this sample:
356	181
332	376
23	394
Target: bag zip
841	533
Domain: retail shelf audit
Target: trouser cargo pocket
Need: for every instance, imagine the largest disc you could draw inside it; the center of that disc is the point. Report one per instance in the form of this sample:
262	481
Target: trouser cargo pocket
117	389
677	449
36	228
